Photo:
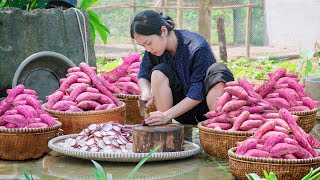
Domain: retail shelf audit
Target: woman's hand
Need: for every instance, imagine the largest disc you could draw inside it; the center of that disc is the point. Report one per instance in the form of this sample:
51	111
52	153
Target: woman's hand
157	118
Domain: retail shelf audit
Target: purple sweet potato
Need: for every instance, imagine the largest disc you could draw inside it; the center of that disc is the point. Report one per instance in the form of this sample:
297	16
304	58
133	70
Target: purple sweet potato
220	118
272	95
63	105
281	129
239	120
253	109
307	101
83	80
222	100
11	112
35	104
134	65
110	86
11	125
14	93
257	153
73	69
111	106
48	119
19	120
134	77
256	117
22	97
299	108
88	96
17	103
251	101
302	153
268	126
104	100
37	125
97	82
273	140
288	156
80	74
53	98
27	114
74	109
249	124
212	114
233	105
290	141
287	96
283	148
232	83
268	134
248	87
279	103
102	107
292	75
88	105
246	145
131	87
237	91
224	126
92	89
280	122
70	80
297	87
235	113
303	142
78	91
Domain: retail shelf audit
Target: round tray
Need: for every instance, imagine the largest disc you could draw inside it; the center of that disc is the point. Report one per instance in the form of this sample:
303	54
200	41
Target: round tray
190	149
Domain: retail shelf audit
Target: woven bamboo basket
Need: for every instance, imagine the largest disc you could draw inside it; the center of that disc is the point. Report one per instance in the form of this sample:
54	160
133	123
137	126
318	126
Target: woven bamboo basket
307	119
217	142
75	122
132	108
285	169
26	143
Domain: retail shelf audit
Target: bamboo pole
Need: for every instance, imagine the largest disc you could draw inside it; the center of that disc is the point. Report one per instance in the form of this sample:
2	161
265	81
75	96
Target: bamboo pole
248	30
205	19
180	14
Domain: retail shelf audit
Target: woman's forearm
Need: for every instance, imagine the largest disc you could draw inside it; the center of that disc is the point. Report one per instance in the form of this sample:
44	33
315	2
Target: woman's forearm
183	106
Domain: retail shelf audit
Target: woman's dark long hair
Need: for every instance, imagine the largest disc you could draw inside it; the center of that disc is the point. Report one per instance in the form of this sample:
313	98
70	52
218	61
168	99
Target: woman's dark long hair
149	22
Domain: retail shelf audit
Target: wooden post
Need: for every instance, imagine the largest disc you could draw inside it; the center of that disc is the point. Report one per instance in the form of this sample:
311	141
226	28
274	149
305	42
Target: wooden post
222	39
205	19
134	13
248	30
165	4
180	14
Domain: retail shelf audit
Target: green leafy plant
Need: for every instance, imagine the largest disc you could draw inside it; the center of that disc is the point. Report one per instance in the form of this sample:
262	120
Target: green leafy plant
96	23
23	4
314	174
99	173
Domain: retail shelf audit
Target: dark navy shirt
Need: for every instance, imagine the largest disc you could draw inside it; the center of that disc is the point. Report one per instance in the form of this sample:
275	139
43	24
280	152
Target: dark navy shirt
192	59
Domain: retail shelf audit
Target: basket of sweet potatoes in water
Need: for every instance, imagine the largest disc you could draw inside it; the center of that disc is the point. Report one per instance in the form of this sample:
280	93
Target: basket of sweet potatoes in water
241	110
289	156
82	99
25	128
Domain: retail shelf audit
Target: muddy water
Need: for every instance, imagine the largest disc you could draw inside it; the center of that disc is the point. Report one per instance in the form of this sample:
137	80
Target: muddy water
55	165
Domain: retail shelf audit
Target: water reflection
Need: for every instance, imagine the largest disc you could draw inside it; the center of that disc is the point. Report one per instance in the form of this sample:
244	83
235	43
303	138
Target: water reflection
71	168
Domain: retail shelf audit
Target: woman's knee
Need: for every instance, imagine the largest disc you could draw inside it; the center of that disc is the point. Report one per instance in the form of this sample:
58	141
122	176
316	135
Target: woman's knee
159	77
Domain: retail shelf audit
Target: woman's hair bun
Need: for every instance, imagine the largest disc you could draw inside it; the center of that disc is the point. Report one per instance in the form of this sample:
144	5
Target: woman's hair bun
168	19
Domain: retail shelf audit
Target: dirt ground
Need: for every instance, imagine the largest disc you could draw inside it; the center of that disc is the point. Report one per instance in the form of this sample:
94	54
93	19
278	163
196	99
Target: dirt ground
113	50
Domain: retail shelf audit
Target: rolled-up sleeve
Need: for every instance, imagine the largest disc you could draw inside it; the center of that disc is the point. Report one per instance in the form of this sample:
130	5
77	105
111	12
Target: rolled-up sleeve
202	60
145	67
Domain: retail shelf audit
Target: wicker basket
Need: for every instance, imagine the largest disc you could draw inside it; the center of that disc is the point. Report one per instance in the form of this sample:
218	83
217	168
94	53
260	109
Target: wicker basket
75	122
307	119
132	108
217	142
285	169
26	143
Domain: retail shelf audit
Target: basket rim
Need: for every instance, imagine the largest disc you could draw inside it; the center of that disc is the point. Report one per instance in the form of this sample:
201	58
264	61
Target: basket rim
55	112
303	113
226	132
234	156
31	130
128	96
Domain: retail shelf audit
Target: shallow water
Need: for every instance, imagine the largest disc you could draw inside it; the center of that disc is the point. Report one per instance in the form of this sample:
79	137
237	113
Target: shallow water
55	165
